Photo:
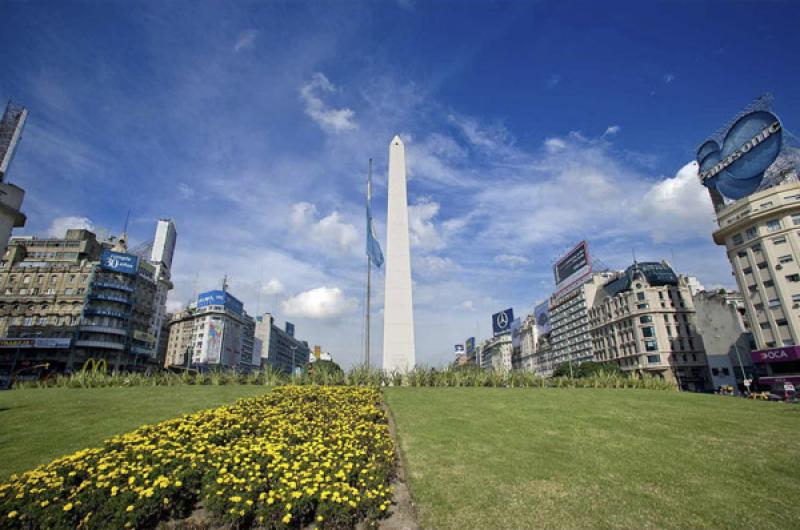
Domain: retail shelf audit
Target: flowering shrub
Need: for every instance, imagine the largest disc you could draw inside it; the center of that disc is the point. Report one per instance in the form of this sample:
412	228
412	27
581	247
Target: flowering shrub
295	457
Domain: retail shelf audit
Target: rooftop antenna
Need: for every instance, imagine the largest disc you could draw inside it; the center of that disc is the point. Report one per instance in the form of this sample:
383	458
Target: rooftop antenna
225	282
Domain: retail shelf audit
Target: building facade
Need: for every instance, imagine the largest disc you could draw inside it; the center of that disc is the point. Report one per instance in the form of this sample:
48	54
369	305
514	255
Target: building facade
528	336
761	234
570	340
77	298
645	322
278	348
726	338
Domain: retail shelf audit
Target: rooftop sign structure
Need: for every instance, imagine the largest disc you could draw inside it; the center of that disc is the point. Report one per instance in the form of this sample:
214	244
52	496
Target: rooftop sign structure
739	158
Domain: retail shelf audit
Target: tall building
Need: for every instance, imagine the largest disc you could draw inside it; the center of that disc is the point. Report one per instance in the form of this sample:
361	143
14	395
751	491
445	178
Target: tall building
398	311
528	338
645	322
278	348
497	353
762	238
11	196
76	298
750	169
214	332
726	337
570	340
161	257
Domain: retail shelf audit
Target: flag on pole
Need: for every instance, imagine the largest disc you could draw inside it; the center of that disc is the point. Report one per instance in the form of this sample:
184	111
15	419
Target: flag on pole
373	247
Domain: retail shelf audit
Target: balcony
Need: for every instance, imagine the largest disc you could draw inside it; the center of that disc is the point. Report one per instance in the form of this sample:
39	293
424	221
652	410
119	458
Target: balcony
113	285
105	312
110	298
103	329
91	343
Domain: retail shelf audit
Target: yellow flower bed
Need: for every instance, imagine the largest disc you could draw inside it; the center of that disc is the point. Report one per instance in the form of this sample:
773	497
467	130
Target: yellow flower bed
296	457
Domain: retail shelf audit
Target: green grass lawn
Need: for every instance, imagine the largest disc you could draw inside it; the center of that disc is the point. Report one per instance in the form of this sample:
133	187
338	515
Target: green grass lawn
590	458
37	425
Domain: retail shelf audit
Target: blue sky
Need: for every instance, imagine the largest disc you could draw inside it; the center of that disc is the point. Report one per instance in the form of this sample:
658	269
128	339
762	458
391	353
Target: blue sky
528	127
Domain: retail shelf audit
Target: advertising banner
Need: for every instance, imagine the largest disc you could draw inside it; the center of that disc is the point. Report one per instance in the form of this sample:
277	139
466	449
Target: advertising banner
542	315
290	329
41	342
119	262
222	298
213	344
776	355
574	266
501	322
458	349
143	336
470	345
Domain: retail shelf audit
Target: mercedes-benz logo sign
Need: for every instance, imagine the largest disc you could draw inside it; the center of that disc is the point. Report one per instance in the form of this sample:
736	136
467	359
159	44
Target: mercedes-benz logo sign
502	320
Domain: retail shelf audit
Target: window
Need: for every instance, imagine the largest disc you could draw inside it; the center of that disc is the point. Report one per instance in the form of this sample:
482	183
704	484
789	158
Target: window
650	345
742	253
764	325
796	219
641	306
751	232
53	279
714	371
756	247
669	331
653	359
779	240
785	259
645	319
762	265
649	331
640	296
793	277
774	302
774	225
26	280
737	239
747	270
768	283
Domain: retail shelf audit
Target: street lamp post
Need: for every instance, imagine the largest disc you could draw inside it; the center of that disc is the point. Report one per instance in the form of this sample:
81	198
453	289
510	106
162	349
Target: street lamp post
294	349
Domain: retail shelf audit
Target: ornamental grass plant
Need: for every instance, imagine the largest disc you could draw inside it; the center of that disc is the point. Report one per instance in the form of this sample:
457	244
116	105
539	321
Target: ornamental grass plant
299	456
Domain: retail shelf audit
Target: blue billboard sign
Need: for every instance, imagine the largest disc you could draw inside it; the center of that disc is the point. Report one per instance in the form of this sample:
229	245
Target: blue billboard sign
222	298
290	329
470	345
119	262
736	167
501	322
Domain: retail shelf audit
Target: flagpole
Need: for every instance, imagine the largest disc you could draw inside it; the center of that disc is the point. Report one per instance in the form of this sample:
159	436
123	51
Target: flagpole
369	272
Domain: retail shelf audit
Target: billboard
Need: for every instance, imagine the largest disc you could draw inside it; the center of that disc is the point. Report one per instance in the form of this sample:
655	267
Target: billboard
470	345
542	315
119	262
213	343
458	349
222	298
501	322
290	329
10	133
572	267
41	342
735	161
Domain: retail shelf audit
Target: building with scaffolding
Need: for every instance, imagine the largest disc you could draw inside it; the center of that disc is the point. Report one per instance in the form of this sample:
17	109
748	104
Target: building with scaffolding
11	196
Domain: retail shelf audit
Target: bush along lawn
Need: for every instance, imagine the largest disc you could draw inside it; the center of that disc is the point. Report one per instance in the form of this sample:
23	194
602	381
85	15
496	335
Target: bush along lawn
296	457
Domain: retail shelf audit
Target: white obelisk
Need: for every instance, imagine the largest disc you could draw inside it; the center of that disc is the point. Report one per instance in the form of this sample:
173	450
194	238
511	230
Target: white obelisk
398	312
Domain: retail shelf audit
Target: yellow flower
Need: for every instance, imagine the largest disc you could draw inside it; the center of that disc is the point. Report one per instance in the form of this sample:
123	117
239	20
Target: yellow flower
67	507
12	514
287	518
129	508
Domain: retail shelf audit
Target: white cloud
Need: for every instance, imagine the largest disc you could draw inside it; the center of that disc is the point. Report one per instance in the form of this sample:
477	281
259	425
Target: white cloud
678	208
329	232
186	191
669	78
467	304
245	40
611	130
272	287
423	233
60	225
321	303
554	144
329	119
434	265
492	138
511	260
